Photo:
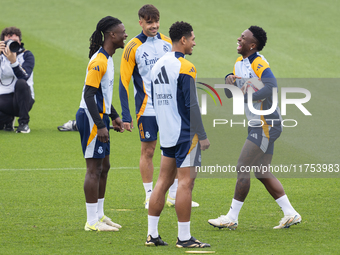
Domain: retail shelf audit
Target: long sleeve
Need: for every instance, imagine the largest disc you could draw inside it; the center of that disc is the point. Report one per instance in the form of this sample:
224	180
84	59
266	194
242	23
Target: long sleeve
25	70
127	66
188	85
269	82
92	106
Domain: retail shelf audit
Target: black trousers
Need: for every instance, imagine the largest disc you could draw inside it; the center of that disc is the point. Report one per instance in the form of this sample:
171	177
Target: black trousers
17	104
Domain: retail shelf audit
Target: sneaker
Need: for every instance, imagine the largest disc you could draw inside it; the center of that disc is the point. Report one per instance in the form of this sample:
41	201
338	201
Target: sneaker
109	222
9	126
71	125
191	243
194	204
146	203
23	128
150	241
171	202
223	222
99	226
287	221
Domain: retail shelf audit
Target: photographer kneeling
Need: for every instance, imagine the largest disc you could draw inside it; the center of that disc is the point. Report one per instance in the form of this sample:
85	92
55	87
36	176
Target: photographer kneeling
16	81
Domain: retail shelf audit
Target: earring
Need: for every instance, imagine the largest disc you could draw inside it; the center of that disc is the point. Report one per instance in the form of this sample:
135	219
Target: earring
251	48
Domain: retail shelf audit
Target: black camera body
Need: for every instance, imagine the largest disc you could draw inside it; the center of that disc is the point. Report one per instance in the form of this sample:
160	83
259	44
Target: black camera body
13	46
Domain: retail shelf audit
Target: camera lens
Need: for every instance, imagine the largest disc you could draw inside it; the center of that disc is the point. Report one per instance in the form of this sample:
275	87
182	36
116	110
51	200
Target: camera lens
13	46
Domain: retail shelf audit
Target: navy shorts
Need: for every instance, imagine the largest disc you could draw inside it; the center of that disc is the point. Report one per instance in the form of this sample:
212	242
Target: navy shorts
264	137
92	147
148	128
186	154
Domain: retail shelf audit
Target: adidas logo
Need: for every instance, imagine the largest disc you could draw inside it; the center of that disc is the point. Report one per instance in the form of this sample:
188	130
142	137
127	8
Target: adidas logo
162	77
145	55
254	135
192	70
259	67
96	68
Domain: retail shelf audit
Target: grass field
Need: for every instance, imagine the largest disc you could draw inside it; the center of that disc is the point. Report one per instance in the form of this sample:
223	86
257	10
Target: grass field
42	205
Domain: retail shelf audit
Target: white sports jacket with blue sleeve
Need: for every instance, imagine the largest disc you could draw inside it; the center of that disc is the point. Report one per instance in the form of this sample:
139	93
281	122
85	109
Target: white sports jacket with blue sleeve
175	101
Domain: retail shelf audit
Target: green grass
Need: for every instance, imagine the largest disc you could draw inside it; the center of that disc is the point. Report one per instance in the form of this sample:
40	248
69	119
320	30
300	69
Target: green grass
42	205
44	213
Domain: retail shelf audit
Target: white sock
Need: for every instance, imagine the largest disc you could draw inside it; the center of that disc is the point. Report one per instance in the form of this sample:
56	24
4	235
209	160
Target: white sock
184	231
285	205
153	226
173	189
148	189
100	208
91	210
234	210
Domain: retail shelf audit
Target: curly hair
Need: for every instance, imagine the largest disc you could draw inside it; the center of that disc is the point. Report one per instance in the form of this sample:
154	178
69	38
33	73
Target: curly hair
10	31
104	25
260	35
180	29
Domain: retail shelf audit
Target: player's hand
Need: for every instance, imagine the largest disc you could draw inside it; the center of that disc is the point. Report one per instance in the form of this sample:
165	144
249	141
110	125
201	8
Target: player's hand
204	144
128	126
231	79
118	125
244	88
103	135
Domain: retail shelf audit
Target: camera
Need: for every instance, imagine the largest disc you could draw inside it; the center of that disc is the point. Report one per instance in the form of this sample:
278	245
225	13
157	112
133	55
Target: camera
13	46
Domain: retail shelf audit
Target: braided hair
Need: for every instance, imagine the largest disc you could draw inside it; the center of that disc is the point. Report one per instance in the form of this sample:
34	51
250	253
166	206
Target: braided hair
103	26
260	35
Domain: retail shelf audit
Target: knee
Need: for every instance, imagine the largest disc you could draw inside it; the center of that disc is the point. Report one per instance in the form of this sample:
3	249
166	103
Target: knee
95	171
162	185
262	176
258	176
106	165
148	152
241	164
21	85
243	171
93	174
187	183
191	184
105	170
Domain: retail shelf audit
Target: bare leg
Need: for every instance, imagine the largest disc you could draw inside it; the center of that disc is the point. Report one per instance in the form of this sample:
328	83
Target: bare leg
249	156
145	163
92	179
273	185
166	177
94	189
275	189
184	194
103	176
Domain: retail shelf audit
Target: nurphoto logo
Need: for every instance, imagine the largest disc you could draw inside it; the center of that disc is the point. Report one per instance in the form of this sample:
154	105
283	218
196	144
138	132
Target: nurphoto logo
238	103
